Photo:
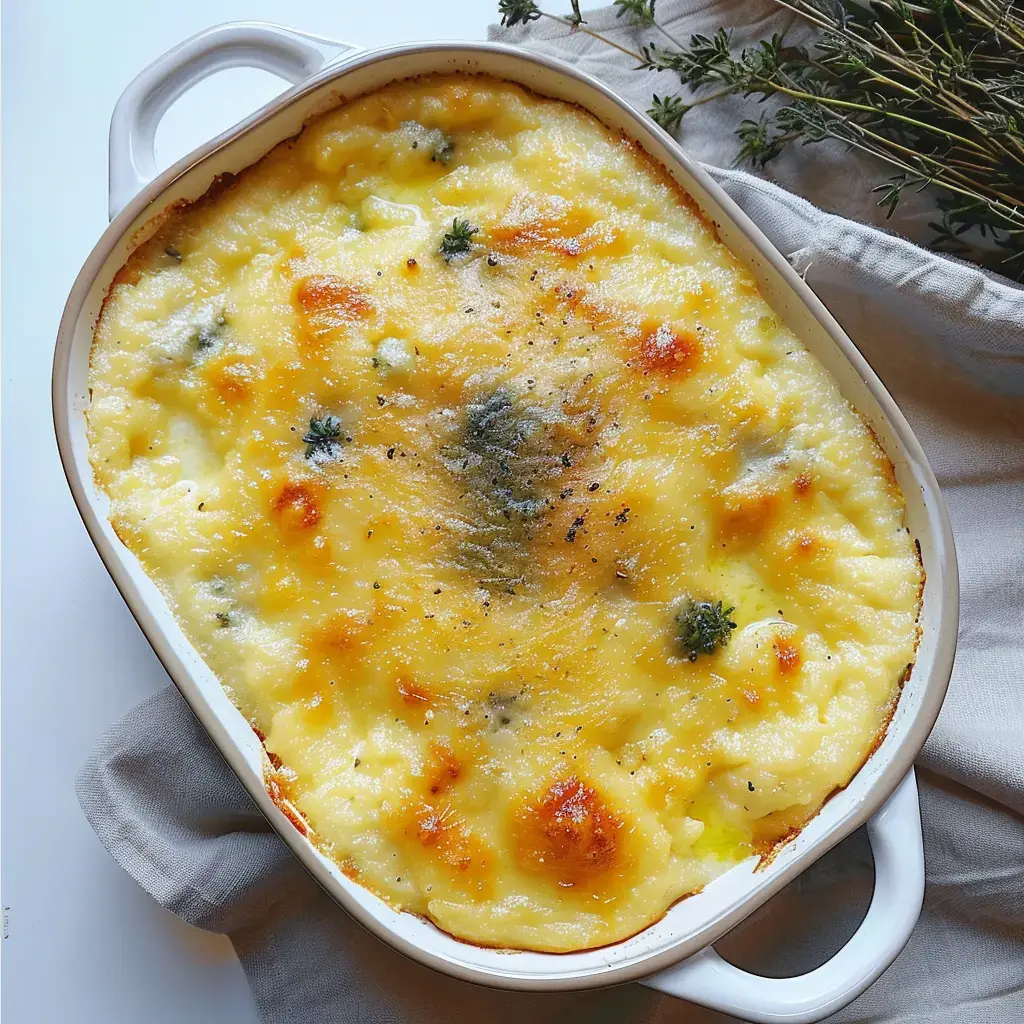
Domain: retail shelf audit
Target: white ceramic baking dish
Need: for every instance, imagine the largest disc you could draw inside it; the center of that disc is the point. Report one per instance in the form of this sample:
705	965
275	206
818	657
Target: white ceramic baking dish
675	954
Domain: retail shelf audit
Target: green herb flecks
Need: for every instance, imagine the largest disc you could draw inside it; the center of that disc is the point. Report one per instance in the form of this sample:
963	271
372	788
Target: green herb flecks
438	144
323	439
208	336
459	240
443	149
506	710
703	626
506	460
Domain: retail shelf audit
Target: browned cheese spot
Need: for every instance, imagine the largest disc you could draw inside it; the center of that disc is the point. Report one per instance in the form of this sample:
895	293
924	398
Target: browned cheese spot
744	518
232	381
327	305
443	767
569	833
787	655
412	693
279	796
297	506
807	545
534	223
445	833
342	634
668	350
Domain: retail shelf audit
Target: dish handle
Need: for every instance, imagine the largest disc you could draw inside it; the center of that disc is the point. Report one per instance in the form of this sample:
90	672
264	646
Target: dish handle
290	55
896	844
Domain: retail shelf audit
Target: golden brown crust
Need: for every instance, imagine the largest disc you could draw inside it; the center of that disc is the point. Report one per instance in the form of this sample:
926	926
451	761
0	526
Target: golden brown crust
571	823
327	305
570	833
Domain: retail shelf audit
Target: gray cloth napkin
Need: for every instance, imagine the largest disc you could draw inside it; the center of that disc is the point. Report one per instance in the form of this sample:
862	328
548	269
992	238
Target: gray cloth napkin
948	340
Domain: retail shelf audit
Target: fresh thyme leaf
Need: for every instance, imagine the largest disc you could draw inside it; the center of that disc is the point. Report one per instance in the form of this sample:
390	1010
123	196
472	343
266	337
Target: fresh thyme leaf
458	241
703	626
760	143
173	253
575	19
517	12
892	190
642	10
668	111
224	618
323	439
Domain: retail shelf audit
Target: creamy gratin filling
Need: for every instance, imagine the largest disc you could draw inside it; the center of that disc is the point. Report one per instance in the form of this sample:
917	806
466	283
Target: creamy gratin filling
557	575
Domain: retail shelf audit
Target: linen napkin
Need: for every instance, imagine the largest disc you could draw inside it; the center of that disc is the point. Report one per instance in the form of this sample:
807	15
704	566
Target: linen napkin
948	341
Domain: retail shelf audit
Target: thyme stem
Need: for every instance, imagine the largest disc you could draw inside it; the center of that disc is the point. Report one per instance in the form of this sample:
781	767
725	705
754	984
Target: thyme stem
595	35
933	88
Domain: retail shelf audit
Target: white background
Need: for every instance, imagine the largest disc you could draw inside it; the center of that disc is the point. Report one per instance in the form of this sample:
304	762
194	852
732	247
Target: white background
82	942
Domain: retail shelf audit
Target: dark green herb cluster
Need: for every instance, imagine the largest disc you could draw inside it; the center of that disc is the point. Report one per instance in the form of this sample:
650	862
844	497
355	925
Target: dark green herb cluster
443	149
934	88
519	12
459	240
703	626
505	458
323	439
208	336
668	111
439	144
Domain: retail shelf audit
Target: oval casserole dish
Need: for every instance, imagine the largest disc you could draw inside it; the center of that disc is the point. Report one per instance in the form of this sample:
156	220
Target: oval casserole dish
698	921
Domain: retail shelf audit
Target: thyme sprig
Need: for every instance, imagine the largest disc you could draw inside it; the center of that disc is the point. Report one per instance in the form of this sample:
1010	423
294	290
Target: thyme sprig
323	439
703	626
934	88
522	12
459	240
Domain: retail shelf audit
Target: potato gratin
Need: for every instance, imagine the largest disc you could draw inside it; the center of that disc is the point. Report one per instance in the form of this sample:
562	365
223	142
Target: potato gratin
556	574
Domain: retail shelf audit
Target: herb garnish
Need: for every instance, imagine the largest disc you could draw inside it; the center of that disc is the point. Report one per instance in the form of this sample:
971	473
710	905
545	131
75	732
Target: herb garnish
441	151
703	626
439	144
668	111
323	439
504	456
934	88
209	335
459	240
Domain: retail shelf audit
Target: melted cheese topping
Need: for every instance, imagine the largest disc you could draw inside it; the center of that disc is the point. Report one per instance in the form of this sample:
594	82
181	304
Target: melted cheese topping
453	610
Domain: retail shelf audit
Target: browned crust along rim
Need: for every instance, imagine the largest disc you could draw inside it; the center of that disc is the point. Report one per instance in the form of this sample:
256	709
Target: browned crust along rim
277	787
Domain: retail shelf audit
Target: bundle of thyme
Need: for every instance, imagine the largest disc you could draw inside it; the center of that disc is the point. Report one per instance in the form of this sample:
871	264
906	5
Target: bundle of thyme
935	88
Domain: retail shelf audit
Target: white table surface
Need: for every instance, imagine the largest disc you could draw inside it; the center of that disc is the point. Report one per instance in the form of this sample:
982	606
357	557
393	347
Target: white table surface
82	942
